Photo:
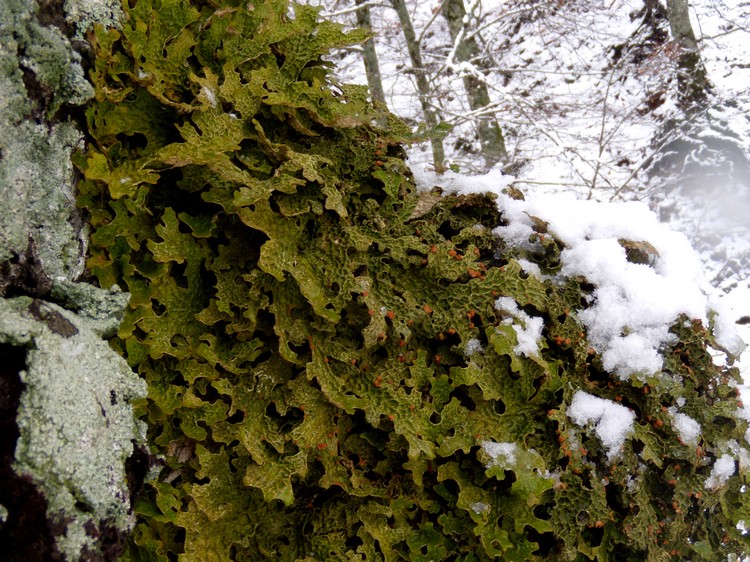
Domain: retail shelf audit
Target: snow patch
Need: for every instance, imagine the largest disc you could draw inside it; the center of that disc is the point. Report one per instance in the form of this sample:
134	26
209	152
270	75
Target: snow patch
209	95
722	471
613	422
502	454
479	507
528	328
634	304
688	429
450	182
473	346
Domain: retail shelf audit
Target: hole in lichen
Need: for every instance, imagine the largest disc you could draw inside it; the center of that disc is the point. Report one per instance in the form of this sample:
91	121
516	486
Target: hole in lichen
180	342
549	546
723	423
435	418
498	406
353	541
460	393
593	534
177	271
615	500
537	384
158	308
134	142
237	417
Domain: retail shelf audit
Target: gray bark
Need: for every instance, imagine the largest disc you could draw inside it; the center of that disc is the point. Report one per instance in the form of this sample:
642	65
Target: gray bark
488	130
370	56
423	85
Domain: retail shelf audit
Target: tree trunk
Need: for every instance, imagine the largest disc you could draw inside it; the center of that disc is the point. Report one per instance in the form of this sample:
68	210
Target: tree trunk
370	56
691	74
488	130
423	86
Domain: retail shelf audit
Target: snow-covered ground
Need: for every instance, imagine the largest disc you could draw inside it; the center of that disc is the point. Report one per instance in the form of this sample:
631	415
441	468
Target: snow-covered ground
582	91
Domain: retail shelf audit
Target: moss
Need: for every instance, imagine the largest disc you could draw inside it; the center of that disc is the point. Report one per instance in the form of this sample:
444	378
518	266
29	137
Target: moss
303	319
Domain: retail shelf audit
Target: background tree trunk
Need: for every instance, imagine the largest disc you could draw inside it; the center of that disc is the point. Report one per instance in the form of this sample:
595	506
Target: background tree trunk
488	130
370	56
423	85
691	75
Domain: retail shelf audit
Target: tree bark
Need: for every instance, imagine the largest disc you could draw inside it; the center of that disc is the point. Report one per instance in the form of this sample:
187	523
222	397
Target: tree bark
370	56
692	80
423	85
488	130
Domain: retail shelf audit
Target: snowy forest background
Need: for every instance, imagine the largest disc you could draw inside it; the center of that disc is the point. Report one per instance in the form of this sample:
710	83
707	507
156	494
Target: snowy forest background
613	101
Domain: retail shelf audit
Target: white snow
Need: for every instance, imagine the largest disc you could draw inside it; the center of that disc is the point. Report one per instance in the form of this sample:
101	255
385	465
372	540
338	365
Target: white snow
687	428
613	422
491	182
479	507
634	304
502	454
473	346
528	328
722	471
209	95
583	117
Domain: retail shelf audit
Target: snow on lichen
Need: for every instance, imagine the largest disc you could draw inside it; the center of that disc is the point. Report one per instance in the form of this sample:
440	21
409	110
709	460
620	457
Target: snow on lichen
634	303
75	418
612	422
722	471
687	428
636	300
473	346
479	507
528	328
502	454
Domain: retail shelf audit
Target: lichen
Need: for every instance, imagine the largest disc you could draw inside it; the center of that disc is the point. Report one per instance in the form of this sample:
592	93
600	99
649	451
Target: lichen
75	419
323	351
39	72
75	416
84	14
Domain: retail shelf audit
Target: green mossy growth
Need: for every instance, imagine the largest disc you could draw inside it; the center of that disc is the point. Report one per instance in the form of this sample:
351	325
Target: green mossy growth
327	368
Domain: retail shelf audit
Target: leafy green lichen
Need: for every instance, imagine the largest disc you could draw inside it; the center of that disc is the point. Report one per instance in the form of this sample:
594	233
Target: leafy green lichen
324	356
